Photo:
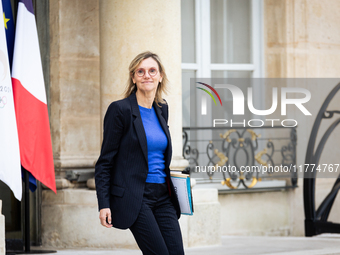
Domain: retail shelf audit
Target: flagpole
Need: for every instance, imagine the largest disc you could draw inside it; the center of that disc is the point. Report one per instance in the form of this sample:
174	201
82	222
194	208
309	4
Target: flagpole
27	222
27	213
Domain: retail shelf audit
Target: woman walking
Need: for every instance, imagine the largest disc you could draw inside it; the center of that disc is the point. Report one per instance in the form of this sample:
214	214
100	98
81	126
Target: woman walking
133	183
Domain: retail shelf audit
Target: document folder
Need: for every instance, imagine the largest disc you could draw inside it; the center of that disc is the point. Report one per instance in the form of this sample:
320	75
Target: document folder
182	187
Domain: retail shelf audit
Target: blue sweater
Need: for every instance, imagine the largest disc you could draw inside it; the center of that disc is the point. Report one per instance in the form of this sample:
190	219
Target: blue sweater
156	142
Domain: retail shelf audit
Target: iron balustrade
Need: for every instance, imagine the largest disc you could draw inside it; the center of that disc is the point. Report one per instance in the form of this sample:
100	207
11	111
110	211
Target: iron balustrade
241	157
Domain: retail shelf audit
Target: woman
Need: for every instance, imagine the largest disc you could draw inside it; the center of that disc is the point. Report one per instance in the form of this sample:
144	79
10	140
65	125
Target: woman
133	183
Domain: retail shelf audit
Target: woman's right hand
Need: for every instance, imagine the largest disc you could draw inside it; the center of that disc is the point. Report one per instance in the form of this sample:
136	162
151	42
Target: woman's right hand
104	214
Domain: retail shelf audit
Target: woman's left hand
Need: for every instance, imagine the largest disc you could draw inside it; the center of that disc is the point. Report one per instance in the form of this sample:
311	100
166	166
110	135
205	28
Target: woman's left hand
104	214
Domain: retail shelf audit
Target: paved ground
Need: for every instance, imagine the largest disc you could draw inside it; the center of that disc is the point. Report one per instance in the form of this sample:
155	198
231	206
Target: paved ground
324	244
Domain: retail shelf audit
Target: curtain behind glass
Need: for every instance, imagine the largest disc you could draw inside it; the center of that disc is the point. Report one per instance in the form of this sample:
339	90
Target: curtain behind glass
230	31
188	31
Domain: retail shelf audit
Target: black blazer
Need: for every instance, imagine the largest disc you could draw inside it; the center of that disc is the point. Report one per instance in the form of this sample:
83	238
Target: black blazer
122	167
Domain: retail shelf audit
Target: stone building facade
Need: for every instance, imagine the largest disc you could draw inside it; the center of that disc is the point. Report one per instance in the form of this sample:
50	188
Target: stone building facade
91	43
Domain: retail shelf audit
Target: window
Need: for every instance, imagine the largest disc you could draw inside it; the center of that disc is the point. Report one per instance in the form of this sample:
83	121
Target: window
220	39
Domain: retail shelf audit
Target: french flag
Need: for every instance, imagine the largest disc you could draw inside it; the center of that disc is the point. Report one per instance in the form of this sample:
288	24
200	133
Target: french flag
30	99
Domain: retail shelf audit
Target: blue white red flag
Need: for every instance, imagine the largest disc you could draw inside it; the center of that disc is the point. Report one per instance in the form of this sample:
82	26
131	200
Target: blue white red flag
30	99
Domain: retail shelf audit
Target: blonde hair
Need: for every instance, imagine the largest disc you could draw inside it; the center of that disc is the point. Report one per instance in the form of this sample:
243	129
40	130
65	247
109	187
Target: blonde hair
162	86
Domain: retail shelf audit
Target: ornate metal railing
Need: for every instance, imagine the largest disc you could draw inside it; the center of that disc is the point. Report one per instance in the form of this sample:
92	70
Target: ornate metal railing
240	157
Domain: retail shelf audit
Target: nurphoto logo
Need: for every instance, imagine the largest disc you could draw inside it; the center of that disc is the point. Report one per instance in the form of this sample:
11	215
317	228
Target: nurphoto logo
302	96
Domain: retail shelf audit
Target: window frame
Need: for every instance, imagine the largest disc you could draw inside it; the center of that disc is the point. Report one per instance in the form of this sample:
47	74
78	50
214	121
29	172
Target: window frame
203	65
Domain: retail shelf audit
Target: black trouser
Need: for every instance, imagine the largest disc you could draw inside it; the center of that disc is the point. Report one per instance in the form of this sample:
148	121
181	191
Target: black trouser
156	229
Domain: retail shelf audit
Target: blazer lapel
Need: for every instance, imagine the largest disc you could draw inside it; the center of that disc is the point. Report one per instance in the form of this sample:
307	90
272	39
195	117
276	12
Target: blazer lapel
138	123
167	133
162	120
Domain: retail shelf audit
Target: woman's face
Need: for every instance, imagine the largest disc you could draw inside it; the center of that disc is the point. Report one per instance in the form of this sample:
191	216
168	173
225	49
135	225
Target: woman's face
147	75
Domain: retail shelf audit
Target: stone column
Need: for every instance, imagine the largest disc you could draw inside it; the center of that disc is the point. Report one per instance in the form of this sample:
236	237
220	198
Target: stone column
2	231
74	83
128	28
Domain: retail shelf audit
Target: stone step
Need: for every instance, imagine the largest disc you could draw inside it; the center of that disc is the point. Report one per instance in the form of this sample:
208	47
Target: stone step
327	244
